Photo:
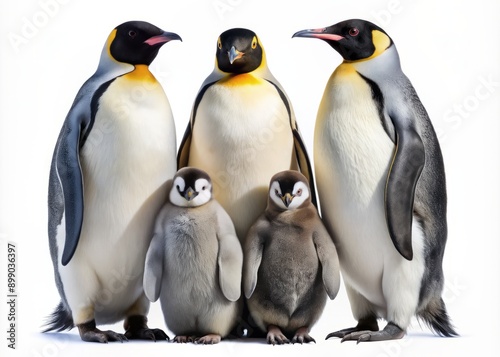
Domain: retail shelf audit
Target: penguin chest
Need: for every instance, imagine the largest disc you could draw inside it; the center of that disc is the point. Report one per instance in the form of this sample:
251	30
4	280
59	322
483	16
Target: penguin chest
352	158
289	271
126	160
242	129
242	137
190	264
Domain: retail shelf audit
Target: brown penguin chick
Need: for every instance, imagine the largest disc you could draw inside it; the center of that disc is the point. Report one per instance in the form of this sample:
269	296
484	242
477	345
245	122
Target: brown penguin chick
290	263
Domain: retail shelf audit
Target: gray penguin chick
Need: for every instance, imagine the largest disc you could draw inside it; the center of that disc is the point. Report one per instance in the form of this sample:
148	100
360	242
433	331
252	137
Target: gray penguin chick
290	263
194	262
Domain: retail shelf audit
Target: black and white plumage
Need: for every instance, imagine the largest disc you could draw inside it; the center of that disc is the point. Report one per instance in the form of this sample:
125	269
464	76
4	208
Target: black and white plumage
290	264
381	185
194	262
243	129
115	152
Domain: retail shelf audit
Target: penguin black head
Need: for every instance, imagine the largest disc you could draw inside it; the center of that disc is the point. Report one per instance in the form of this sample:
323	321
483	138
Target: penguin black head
191	188
238	51
353	39
138	42
289	190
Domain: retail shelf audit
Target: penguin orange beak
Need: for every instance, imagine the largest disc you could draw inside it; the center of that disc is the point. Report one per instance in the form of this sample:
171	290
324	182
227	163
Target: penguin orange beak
162	39
287	199
318	33
234	54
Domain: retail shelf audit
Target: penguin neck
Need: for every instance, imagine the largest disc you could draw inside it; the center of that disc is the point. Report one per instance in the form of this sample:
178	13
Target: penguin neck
141	73
111	68
240	79
385	64
299	214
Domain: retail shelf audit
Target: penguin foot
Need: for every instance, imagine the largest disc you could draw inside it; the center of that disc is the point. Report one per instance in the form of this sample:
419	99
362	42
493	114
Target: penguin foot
90	333
302	335
275	336
184	339
136	328
210	339
390	332
367	324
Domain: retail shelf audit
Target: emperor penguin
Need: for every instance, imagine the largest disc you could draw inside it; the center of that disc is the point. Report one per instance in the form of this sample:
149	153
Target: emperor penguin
242	129
194	262
381	185
115	153
290	262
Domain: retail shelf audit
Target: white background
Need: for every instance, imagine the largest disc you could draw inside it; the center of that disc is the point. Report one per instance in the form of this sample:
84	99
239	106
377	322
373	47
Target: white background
450	51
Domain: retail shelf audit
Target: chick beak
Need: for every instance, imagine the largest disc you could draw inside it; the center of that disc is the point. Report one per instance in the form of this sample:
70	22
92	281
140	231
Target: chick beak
287	199
189	194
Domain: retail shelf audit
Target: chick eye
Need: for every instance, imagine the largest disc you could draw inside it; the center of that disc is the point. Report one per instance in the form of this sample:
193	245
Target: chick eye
219	44
276	192
204	188
132	34
254	43
299	192
353	31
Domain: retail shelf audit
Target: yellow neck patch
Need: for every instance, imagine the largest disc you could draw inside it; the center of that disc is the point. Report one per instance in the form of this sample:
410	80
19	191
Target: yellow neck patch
109	41
239	80
141	73
345	69
381	42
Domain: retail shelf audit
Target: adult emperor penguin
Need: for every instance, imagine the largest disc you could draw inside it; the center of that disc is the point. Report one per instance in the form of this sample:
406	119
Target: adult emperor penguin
381	185
194	262
290	262
242	129
113	157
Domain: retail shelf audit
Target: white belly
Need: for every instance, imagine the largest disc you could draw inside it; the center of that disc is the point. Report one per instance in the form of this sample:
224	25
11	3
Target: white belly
352	158
126	160
242	139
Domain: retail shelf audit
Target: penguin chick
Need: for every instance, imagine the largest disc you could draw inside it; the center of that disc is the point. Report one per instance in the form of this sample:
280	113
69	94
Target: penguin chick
381	183
242	129
290	262
108	175
194	262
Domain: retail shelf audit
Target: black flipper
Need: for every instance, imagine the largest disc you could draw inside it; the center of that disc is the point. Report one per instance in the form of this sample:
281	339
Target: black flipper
303	161
406	167
184	148
70	176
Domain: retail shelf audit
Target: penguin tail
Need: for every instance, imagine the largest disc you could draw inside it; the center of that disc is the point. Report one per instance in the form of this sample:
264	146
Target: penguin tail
59	320
436	317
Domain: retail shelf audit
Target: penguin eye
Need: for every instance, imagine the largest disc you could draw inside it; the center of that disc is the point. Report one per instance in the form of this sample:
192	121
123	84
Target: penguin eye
219	44
132	34
299	192
276	192
353	31
254	43
204	188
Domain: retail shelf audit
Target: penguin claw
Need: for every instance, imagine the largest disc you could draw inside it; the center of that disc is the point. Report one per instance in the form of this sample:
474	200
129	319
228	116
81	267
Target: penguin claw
136	328
184	339
341	333
275	336
90	333
210	339
302	335
365	324
147	334
103	336
390	332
